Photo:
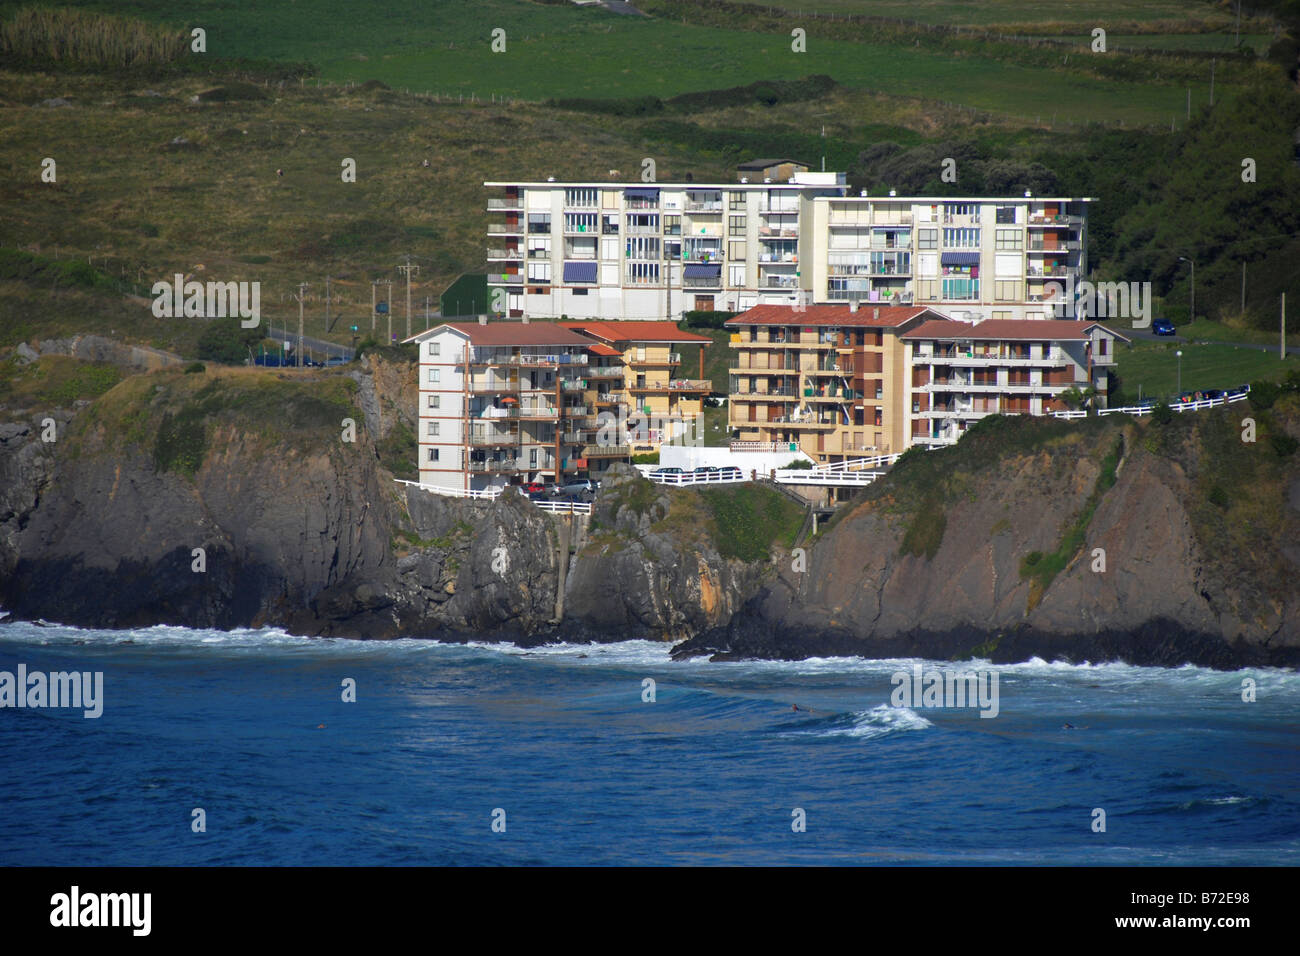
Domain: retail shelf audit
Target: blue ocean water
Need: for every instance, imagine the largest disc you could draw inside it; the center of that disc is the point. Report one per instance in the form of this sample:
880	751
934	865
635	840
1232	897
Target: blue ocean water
251	727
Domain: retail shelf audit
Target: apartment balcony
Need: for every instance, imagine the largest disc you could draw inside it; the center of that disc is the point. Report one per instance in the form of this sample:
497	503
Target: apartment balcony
785	371
673	358
493	387
1054	273
573	385
1068	245
703	282
536	412
1055	357
606	451
1040	221
576	411
493	439
509	203
593	371
770	393
505	467
675	385
711	206
507	255
829	370
610	399
499	229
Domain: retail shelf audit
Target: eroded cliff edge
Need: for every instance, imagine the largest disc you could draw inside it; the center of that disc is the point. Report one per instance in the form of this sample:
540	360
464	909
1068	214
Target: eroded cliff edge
988	548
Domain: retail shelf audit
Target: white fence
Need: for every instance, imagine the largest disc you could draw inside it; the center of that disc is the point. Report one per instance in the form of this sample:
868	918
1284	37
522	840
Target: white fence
702	478
491	494
1149	408
841	479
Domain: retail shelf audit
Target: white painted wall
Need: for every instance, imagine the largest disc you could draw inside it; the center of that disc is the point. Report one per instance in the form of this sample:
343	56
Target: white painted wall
690	456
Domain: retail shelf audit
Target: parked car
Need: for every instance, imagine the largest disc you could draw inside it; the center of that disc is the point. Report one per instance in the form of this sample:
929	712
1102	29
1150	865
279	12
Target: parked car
731	472
579	486
1238	390
661	473
1162	327
529	487
704	471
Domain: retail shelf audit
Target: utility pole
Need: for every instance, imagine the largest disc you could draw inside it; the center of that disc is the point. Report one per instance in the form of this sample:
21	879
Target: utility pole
388	304
426	313
302	294
407	269
327	305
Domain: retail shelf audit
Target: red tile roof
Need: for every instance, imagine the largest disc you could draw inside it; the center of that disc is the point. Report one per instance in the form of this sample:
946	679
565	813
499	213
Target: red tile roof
1021	329
600	348
868	314
517	333
634	331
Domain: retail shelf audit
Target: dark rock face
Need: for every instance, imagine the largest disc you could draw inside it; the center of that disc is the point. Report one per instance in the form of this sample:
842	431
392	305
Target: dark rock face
319	539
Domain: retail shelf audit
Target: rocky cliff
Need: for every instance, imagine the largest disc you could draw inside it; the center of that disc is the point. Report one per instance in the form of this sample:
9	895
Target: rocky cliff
230	498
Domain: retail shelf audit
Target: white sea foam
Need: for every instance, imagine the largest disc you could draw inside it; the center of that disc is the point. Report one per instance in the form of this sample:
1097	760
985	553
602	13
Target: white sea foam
879	721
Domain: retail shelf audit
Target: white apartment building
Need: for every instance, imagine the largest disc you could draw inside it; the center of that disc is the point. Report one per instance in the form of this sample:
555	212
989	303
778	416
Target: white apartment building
501	402
593	250
959	373
972	258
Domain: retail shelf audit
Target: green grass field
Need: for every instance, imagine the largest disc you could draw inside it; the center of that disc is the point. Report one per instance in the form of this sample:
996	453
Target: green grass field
559	51
985	13
1154	369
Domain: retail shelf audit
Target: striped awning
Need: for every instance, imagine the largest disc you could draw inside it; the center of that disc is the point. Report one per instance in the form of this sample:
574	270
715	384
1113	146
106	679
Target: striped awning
580	272
960	259
703	271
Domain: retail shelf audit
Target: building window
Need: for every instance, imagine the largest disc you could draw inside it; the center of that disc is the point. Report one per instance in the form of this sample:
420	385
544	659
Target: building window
736	200
961	209
642	247
1009	239
927	238
1006	291
539	272
736	249
672	225
736	223
961	238
431	429
539	222
879	415
580	197
433	349
961	289
435	401
736	275
431	454
434	375
580	222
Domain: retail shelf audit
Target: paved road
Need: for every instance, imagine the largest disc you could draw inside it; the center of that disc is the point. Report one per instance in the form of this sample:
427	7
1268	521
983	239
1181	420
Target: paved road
316	348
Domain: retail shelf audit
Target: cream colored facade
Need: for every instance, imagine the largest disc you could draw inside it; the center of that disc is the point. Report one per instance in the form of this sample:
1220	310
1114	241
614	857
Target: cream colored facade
830	381
972	258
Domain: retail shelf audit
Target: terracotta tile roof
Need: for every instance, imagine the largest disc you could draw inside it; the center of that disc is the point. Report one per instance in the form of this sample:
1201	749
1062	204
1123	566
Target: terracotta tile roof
868	314
517	333
1020	329
600	348
634	331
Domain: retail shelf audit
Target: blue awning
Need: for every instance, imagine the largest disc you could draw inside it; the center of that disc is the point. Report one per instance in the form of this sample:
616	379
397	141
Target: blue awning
703	271
641	192
580	272
960	259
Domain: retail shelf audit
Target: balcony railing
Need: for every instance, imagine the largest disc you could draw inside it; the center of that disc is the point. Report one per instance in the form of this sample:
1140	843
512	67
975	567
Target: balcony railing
1071	245
593	371
673	358
505	254
494	438
516	202
606	451
674	385
498	229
